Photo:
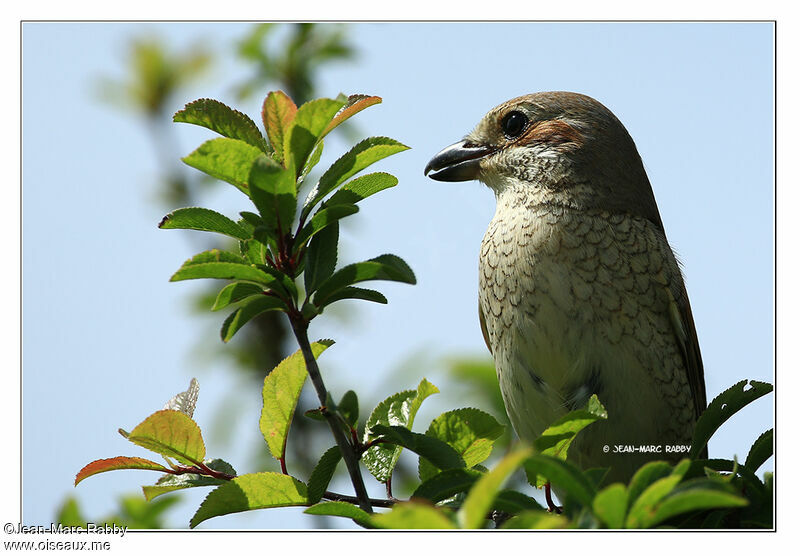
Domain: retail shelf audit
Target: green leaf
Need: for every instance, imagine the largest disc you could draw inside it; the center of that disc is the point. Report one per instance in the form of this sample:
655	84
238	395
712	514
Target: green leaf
251	218
754	486
193	269
214	256
322	474
562	475
446	484
596	475
229	266
253	491
361	188
384	267
354	105
695	495
253	251
760	451
306	129
285	286
537	519
471	432
351	292
312	161
245	224
171	483
641	510
645	476
195	218
513	502
321	220
611	504
722	408
273	190
412	515
339	509
278	112
363	154
714	520
226	121
172	434
315	415
268	237
398	409
711	471
119	462
234	293
281	391
556	439
348	408
320	257
437	452
250	308
70	513
229	160
472	513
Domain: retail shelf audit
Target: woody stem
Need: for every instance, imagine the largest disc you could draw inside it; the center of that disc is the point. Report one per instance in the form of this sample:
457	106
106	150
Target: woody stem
300	328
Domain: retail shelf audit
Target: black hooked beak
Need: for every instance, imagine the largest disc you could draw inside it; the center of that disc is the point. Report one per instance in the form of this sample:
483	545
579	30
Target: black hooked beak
458	162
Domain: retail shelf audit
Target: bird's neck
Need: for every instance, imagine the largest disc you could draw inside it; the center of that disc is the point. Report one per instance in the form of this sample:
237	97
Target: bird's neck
513	193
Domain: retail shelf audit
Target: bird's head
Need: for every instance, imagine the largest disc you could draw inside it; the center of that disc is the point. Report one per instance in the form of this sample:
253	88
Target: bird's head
555	147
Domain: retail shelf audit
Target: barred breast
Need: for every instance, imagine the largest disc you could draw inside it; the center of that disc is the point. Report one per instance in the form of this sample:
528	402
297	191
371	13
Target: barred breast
576	303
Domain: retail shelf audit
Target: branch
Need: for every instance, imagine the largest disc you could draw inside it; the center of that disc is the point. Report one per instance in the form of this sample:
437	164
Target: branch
300	328
200	469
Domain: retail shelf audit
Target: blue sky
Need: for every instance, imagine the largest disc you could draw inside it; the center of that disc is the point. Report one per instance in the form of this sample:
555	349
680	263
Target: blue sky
107	339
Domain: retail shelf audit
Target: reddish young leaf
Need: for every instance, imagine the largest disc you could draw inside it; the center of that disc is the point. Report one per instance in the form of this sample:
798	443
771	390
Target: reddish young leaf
278	113
355	104
119	462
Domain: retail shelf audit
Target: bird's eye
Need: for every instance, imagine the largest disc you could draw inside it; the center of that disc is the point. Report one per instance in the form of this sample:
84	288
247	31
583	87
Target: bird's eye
514	123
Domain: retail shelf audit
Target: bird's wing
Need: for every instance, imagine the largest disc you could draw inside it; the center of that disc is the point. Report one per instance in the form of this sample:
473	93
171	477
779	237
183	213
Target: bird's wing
691	352
680	313
683	323
483	328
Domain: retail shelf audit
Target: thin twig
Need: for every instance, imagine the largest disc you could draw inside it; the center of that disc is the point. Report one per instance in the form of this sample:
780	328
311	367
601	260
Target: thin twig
551	506
377	502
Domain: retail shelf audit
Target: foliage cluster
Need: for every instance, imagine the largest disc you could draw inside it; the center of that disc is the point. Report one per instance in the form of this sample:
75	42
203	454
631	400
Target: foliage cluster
287	262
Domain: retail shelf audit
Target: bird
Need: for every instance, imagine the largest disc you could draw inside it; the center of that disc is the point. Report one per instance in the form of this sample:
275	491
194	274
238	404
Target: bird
580	292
